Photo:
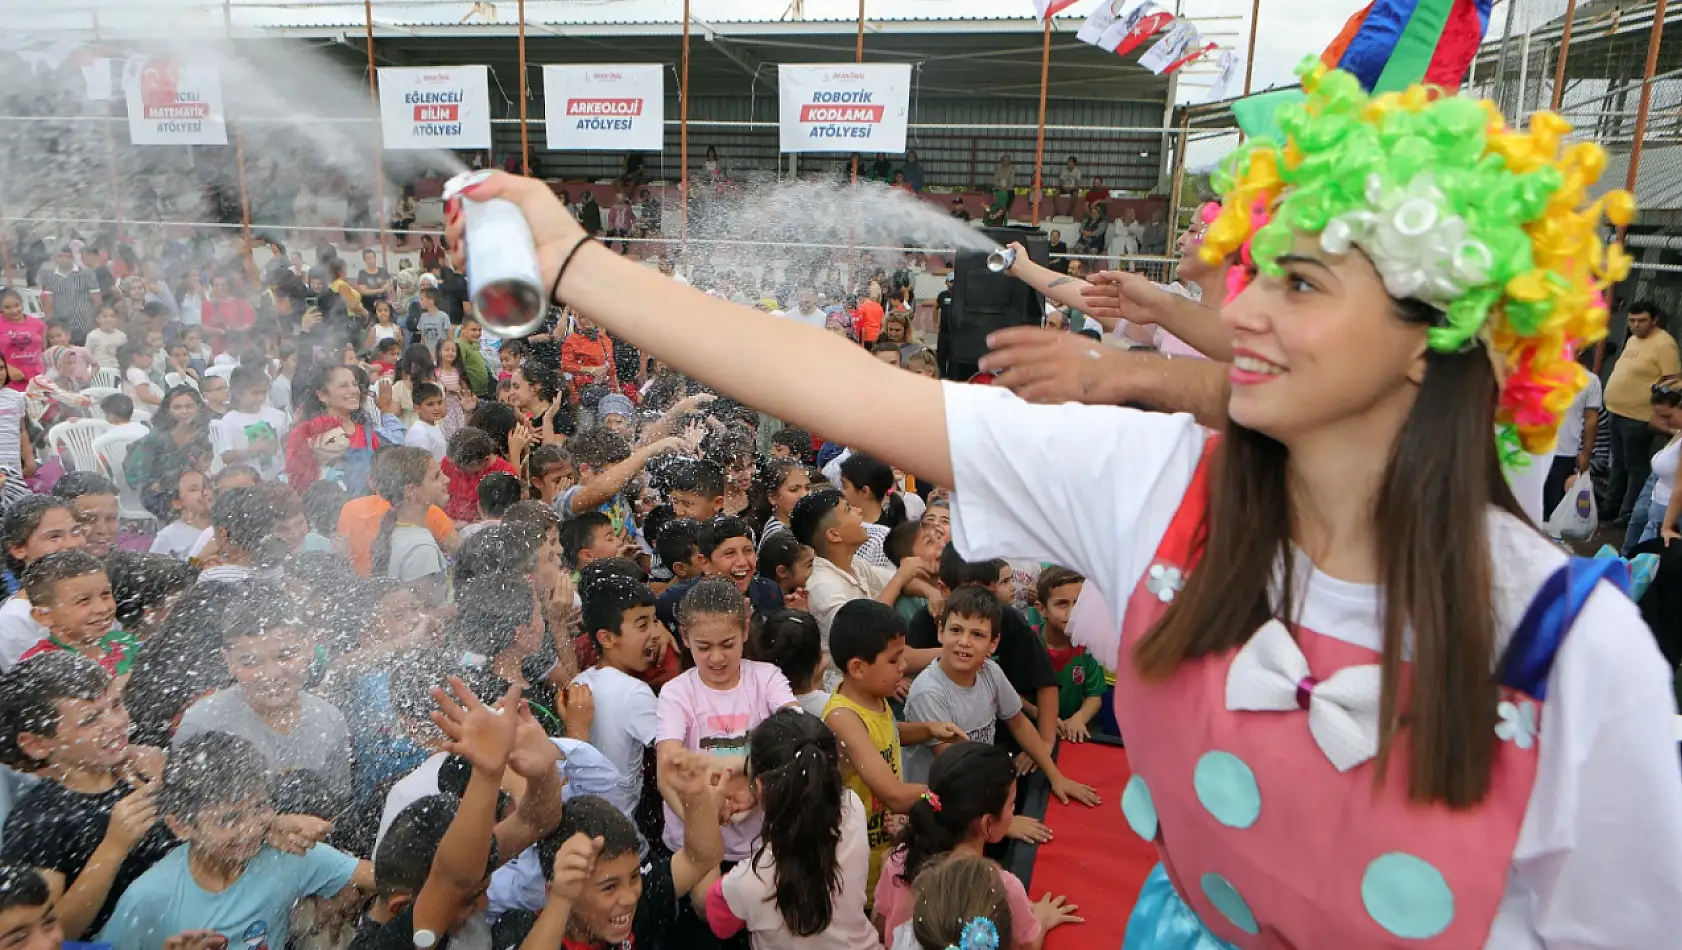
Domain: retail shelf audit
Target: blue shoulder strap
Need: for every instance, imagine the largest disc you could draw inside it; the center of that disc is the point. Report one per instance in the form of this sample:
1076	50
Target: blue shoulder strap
1530	654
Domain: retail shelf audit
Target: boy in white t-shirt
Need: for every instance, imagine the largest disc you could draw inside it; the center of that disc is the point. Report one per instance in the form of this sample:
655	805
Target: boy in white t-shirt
252	432
619	616
712	707
424	432
104	339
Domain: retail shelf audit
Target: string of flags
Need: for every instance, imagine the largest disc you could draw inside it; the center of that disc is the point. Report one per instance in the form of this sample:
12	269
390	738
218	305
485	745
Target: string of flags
1122	26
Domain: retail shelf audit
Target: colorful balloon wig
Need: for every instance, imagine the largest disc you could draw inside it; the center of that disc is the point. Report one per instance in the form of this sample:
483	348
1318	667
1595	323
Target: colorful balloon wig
1489	225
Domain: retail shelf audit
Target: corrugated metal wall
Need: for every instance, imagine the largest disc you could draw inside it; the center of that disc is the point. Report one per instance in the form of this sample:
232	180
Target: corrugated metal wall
952	158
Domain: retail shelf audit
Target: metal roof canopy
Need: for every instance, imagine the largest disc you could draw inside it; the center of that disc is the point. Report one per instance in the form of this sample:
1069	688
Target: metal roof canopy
962	58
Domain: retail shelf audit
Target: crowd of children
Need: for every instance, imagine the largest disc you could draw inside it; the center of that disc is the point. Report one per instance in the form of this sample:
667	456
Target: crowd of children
559	659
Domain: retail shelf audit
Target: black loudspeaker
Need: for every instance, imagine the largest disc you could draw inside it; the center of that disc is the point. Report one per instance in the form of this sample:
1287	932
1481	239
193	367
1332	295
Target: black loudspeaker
983	301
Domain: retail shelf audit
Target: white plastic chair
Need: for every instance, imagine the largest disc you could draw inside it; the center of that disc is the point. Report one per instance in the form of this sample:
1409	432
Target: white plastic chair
98	393
73	441
141	416
222	370
173	380
112	450
108	379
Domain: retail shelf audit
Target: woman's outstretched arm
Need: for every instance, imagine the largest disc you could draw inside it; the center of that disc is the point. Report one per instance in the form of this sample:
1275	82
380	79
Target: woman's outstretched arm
813	379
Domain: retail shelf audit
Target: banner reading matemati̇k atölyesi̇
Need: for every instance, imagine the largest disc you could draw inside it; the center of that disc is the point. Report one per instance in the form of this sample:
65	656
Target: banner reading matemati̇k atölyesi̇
171	103
845	107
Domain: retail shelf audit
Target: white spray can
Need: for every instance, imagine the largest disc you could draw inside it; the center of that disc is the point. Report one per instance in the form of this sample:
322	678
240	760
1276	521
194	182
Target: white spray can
503	275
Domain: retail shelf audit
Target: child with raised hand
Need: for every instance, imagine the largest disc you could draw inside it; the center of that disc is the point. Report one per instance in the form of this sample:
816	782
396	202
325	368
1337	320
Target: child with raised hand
618	616
70	595
868	643
969	804
604	895
216	797
808	880
90	825
434	864
787	563
789	640
960	902
966	687
713	706
1080	677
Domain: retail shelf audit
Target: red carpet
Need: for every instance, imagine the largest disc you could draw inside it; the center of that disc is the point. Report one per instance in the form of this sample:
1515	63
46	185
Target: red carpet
1094	860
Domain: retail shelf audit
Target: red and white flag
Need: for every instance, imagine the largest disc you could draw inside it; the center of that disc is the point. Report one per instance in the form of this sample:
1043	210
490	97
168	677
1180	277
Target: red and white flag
1120	27
1050	8
1182	44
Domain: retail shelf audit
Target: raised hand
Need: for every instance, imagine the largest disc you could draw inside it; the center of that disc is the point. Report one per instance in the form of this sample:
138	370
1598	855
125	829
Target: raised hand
296	834
553	229
580	708
533	754
481	734
1051	366
575	863
134	815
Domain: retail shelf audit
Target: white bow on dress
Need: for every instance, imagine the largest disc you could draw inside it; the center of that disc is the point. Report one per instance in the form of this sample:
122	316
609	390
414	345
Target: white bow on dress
1270	674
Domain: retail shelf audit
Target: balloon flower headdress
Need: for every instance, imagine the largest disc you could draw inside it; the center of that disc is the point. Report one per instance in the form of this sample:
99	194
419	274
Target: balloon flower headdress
1489	225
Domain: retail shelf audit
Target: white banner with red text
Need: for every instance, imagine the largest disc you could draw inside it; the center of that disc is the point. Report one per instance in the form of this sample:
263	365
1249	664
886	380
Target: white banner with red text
171	103
435	107
845	107
613	108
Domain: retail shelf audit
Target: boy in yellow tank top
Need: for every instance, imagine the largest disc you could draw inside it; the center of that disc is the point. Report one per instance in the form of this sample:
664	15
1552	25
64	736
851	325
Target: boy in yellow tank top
867	643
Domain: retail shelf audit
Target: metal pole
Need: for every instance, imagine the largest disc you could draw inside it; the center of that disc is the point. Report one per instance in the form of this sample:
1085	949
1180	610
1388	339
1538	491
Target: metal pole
239	161
525	145
379	133
111	155
1564	51
683	139
1500	89
858	57
1250	57
1039	140
1179	172
1653	39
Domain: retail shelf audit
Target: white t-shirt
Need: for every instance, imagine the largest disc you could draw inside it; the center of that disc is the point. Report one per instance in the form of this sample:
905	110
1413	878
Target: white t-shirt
1664	474
414	554
133	380
14	406
102	346
425	435
177	539
235	431
750	892
18	630
812	318
626	721
1571	429
205	537
1094	488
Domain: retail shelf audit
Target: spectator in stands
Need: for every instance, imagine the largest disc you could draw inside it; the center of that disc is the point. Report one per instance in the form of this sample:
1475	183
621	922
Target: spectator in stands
1056	248
881	169
70	294
958	210
1649	355
1068	188
913	171
1004	181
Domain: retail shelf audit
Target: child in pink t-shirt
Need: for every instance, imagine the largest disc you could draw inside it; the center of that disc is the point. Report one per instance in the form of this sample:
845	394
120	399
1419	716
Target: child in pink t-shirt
969	805
713	707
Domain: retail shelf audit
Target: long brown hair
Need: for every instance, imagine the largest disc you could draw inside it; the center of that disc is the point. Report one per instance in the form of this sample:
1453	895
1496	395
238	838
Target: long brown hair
1431	516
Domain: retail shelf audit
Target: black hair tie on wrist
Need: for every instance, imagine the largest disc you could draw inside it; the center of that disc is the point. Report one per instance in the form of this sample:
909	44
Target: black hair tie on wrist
555	288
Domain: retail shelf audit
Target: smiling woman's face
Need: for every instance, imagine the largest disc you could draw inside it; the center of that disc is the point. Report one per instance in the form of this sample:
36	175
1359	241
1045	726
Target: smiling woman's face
1293	337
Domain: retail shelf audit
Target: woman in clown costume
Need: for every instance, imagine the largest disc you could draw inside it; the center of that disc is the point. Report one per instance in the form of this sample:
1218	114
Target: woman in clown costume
1367	703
